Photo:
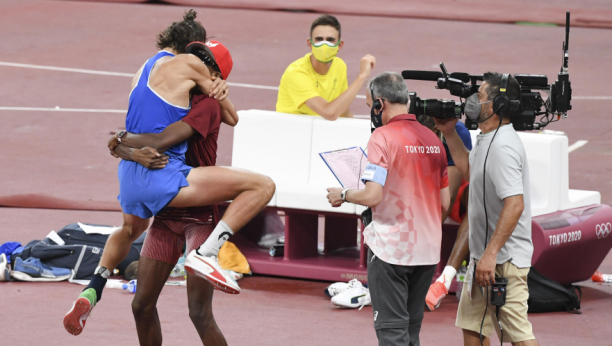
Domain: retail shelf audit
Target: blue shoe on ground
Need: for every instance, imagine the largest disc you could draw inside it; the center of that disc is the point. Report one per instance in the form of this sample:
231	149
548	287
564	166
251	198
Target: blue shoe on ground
32	269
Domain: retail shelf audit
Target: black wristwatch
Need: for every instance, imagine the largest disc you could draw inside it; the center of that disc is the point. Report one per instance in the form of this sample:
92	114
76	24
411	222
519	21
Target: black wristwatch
120	134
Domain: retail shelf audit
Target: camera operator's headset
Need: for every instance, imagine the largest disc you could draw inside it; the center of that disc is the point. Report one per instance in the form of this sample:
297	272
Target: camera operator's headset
503	107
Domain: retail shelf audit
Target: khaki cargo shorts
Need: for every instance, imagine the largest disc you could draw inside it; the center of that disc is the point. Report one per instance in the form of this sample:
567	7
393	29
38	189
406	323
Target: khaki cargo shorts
513	315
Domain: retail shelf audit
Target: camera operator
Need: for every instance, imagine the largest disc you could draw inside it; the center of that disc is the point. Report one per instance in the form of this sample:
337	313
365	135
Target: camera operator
407	189
499	214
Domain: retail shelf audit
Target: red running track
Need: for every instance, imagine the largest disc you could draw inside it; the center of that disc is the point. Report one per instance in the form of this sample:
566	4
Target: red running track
269	311
62	155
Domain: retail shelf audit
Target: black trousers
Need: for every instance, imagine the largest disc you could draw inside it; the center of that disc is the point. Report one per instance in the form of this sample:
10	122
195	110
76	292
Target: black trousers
398	300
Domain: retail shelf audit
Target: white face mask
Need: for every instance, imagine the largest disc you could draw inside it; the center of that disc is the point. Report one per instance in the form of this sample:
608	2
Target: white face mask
473	107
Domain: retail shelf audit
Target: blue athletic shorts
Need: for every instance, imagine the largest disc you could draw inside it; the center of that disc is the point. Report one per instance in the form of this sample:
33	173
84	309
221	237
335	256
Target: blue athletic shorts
144	192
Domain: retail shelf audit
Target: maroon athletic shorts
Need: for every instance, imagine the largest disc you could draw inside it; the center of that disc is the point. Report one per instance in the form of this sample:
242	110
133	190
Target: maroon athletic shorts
166	237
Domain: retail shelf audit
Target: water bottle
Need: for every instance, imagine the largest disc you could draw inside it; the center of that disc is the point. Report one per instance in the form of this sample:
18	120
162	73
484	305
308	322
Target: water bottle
130	286
114	284
461	273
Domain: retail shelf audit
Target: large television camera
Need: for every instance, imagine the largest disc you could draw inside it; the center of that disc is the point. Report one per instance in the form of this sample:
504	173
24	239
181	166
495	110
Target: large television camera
534	112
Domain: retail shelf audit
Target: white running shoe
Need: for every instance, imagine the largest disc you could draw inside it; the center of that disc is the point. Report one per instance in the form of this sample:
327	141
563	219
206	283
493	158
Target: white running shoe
338	287
207	267
5	271
355	296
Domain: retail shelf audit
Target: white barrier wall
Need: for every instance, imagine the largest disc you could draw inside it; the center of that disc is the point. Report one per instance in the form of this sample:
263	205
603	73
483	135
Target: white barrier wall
286	147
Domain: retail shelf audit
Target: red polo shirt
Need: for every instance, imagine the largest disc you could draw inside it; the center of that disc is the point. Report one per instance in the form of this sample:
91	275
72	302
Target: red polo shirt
406	227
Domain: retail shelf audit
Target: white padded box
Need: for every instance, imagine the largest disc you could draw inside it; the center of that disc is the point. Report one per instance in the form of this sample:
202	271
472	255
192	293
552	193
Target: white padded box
277	145
286	148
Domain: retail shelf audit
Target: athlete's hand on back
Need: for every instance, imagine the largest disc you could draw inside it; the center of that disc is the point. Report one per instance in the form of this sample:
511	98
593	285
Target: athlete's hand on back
219	89
150	158
367	64
112	144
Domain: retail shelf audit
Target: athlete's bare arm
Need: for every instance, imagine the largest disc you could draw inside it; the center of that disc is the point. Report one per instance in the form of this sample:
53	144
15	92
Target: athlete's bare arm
146	156
229	115
173	134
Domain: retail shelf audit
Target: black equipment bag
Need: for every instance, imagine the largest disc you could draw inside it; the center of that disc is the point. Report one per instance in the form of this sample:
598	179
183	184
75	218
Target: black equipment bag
546	295
82	251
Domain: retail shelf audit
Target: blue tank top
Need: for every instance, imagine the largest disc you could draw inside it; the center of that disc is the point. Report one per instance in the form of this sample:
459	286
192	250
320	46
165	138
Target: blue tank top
144	192
148	112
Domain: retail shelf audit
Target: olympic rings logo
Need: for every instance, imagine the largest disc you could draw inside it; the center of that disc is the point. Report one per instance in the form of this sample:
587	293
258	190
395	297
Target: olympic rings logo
603	230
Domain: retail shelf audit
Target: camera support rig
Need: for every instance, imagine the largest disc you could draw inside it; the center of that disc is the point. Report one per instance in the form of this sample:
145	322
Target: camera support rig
463	85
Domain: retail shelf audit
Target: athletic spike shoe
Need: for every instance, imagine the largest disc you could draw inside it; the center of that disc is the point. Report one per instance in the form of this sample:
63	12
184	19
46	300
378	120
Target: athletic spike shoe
207	267
355	296
75	319
338	287
5	271
437	291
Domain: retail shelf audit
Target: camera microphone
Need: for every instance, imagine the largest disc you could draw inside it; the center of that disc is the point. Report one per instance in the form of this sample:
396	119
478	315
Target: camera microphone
421	75
435	75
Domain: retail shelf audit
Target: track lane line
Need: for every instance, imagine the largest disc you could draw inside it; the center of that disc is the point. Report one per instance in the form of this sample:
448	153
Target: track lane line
240	85
57	109
578	144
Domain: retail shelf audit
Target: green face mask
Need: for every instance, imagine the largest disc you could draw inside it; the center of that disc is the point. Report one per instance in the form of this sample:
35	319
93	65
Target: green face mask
324	51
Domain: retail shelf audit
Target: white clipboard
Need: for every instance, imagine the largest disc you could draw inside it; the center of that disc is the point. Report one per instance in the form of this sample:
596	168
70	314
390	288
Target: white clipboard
347	165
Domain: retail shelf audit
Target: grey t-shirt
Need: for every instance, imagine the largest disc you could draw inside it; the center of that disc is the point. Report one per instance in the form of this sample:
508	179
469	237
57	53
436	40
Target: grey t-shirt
507	174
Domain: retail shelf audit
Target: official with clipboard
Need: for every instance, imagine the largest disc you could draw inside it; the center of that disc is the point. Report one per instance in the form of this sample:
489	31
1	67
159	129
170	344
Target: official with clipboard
406	186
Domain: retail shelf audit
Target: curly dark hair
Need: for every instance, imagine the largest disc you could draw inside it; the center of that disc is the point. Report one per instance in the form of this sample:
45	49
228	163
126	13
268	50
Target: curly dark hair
179	34
326	19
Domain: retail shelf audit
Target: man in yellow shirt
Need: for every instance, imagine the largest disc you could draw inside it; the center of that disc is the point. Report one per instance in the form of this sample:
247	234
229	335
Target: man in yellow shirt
316	84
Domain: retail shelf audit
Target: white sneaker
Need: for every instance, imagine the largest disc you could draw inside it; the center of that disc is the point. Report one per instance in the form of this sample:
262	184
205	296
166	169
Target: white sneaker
207	267
355	296
339	287
5	271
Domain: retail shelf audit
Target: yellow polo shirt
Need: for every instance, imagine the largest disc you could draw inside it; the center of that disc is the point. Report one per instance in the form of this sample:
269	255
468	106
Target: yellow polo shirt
301	82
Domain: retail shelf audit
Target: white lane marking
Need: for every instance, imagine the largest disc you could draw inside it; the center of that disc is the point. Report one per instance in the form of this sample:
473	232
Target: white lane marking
120	74
576	145
252	86
66	69
57	109
241	85
592	98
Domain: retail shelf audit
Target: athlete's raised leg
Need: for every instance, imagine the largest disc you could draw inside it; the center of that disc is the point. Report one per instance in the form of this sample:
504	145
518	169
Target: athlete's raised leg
116	249
152	276
250	193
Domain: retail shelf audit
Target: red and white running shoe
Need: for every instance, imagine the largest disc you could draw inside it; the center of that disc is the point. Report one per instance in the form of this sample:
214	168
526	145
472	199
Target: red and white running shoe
436	292
75	319
207	267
